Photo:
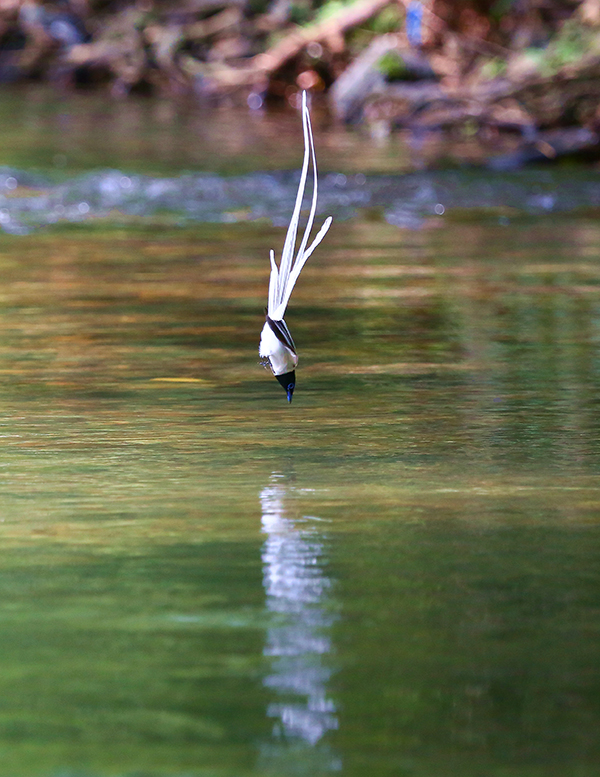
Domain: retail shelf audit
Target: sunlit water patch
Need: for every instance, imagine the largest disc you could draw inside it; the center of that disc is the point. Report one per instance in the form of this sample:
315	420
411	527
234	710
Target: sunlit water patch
407	201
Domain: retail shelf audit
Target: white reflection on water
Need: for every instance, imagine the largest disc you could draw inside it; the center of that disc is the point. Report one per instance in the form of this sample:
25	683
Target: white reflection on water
299	641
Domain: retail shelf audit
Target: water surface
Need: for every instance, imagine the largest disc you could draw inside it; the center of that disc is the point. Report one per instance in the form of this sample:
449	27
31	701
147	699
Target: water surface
395	575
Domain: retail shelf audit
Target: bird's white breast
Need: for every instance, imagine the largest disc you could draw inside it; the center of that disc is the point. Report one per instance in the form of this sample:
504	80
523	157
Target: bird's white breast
281	357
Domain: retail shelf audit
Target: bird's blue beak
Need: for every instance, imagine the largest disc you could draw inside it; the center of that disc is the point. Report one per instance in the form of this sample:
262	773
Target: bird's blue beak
288	383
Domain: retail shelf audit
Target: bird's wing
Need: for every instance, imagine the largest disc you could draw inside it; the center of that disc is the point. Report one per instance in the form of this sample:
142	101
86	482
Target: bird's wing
282	333
282	280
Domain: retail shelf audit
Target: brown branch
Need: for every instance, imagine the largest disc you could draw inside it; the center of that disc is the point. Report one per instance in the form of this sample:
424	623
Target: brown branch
294	42
220	22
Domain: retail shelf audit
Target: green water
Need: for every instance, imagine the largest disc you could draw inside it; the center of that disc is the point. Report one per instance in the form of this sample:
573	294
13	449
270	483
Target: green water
395	575
84	131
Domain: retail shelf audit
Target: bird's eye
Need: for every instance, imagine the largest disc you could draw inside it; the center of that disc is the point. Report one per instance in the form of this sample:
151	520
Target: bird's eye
291	386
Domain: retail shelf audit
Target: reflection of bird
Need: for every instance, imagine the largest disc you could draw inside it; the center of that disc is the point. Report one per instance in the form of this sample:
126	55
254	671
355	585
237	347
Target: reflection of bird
277	348
299	635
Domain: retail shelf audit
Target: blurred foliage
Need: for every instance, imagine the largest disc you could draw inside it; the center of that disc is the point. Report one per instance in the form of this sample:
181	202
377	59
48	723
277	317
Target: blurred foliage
247	50
392	66
330	8
389	20
500	7
494	67
572	42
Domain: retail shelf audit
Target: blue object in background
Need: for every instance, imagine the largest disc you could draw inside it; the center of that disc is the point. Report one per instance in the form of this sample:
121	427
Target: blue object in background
414	23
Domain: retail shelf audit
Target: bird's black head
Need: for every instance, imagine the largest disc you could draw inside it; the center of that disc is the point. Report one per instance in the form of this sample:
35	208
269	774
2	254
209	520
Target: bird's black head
288	381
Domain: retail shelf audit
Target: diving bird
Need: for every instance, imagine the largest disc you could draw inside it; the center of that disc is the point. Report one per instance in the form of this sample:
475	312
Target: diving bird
277	349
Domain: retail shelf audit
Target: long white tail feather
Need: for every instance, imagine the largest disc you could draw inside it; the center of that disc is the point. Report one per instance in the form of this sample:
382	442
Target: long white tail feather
282	280
298	265
287	254
273	282
313	206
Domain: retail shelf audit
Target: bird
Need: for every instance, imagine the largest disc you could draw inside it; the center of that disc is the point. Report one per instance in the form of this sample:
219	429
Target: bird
277	349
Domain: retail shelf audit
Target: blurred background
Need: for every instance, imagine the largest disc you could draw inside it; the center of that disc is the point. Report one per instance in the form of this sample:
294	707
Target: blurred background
485	69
